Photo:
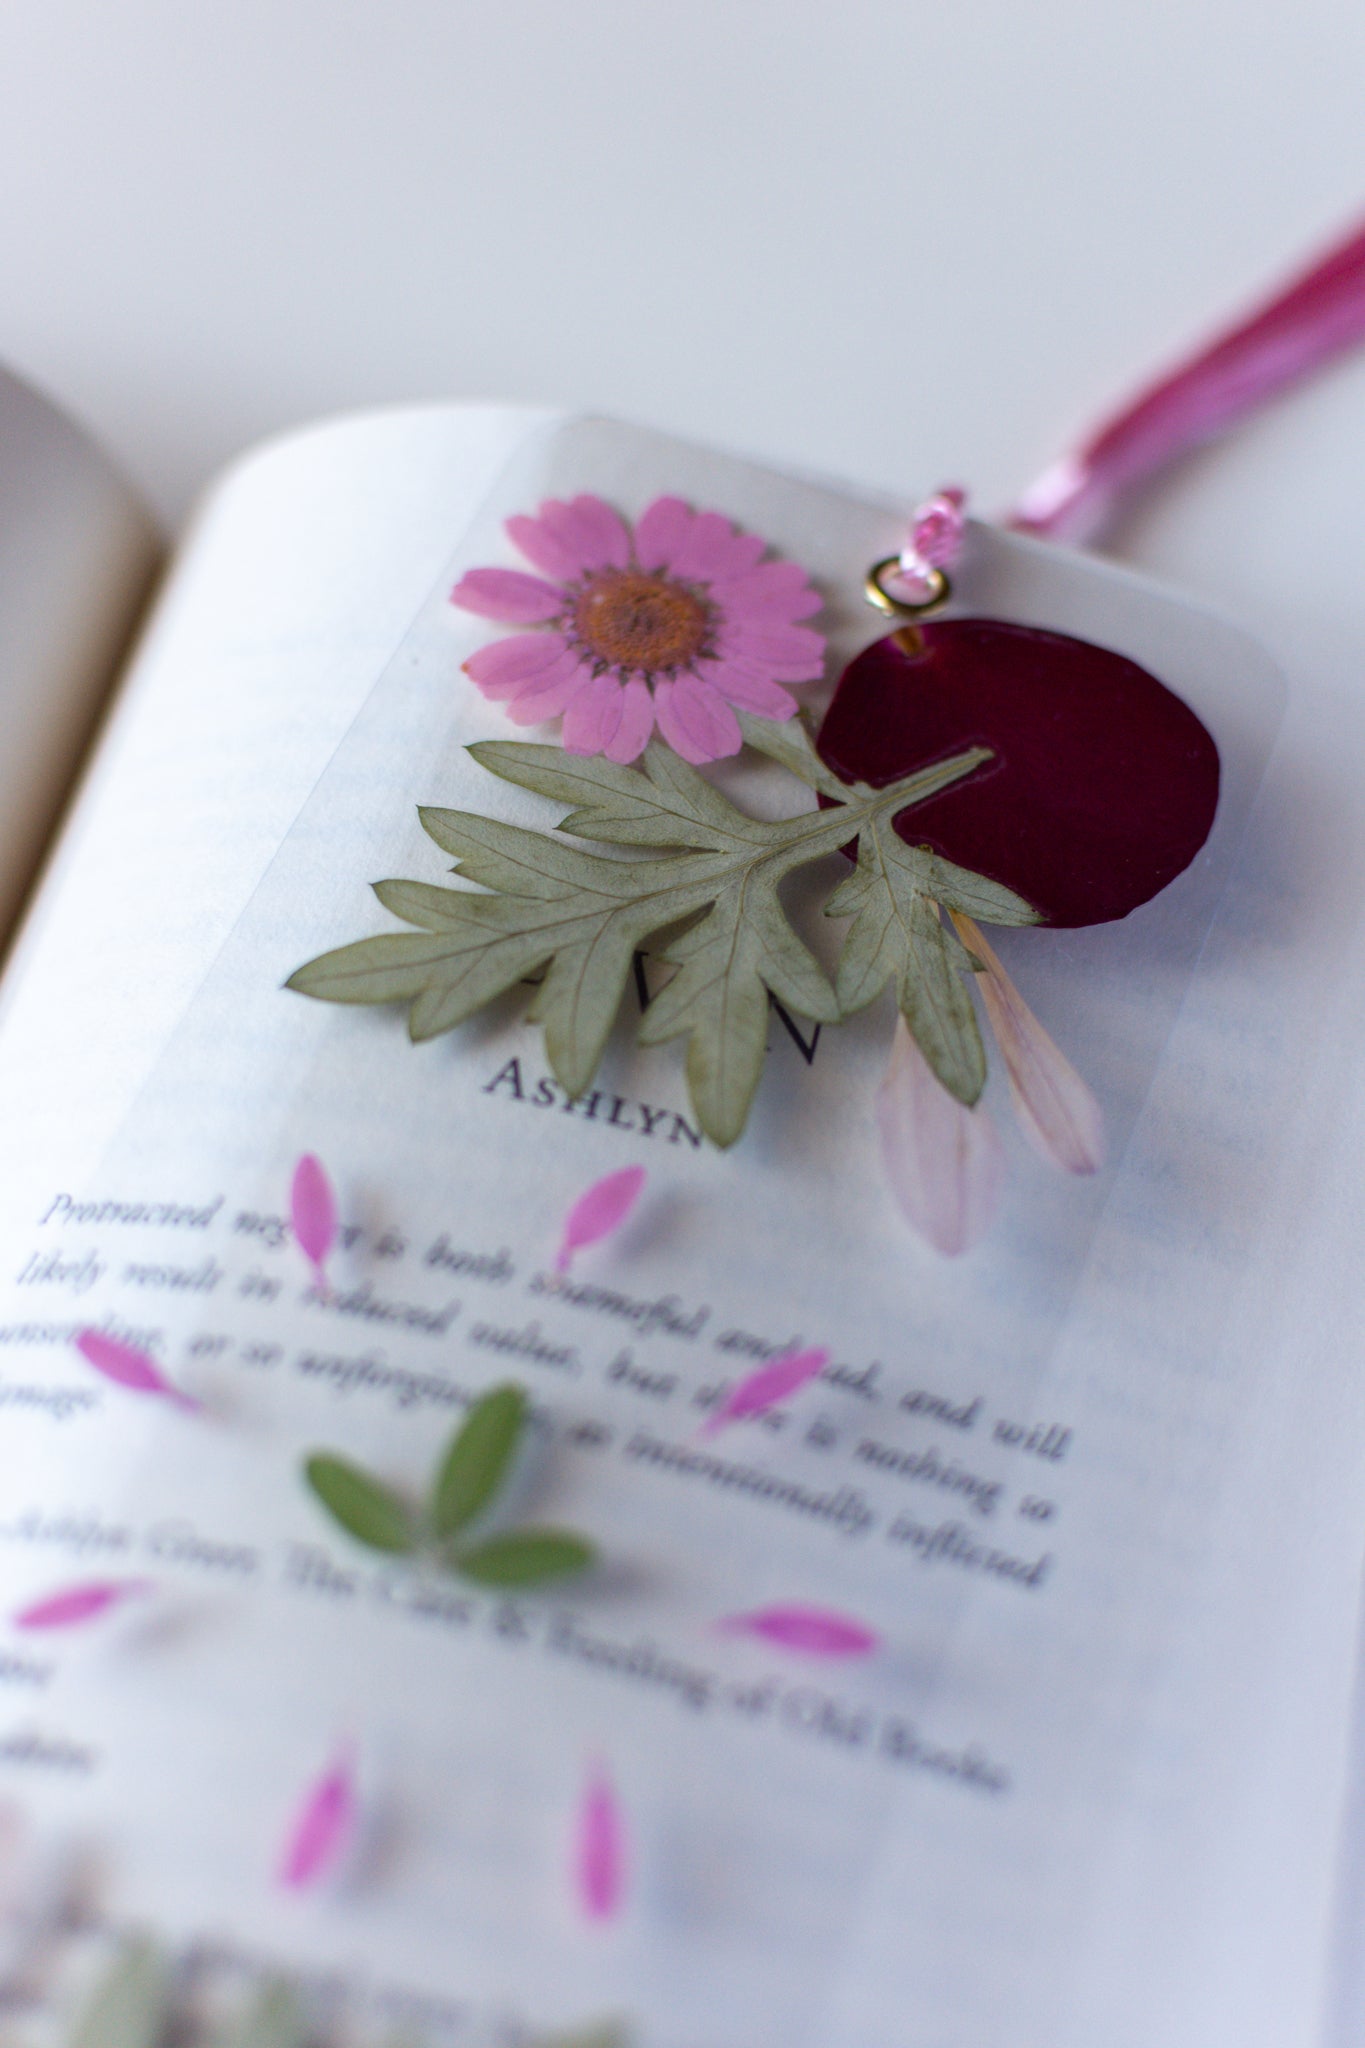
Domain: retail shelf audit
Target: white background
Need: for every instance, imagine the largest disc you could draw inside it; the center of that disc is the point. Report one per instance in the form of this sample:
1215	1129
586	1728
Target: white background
903	242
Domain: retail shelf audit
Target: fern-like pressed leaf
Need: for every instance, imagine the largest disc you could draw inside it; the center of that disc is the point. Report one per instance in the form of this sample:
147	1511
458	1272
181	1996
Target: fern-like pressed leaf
708	879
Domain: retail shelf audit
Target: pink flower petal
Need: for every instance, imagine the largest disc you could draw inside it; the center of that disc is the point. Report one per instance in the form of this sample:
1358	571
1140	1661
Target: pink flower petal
128	1367
508	596
506	666
739	685
322	1829
600	1849
777	1381
598	1212
696	720
313	1214
810	1631
945	1163
76	1604
793	654
1057	1112
551	692
593	716
589	531
542	550
631	737
661	533
775	593
713	548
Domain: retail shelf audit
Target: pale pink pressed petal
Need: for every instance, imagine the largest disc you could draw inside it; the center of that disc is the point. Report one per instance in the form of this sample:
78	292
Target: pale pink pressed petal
751	691
589	530
509	596
128	1367
593	716
322	1829
313	1214
696	720
671	726
810	1631
542	549
598	1212
506	666
945	1163
1057	1112
76	1604
770	643
662	532
744	645
712	550
600	1849
546	695
631	737
774	593
604	522
777	1381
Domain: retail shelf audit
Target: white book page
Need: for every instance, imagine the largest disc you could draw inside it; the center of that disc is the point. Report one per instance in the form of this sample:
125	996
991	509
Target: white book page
1088	1789
76	554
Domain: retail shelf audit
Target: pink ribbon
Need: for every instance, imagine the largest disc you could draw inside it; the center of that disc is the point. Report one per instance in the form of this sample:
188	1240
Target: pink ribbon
1318	315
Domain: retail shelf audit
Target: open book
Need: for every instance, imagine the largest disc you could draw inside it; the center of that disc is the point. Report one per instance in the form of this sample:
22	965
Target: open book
985	1684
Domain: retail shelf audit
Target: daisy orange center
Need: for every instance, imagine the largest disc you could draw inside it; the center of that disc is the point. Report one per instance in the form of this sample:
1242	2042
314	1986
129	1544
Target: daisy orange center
636	621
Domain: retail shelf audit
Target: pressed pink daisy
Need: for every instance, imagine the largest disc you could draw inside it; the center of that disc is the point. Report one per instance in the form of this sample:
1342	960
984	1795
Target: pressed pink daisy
675	624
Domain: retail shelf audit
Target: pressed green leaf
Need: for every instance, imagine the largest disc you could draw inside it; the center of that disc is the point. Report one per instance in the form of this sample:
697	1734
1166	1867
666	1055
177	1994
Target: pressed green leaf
129	2005
364	1508
273	2020
789	742
524	1558
897	936
937	1005
478	1460
574	920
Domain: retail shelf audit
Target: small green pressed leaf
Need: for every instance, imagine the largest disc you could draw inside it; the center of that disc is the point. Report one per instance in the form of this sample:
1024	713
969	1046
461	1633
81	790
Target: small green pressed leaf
478	1460
129	2005
523	1558
606	2034
364	1508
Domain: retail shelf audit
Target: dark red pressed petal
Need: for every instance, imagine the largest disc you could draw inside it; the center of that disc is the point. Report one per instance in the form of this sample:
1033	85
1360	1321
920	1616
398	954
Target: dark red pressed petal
1103	786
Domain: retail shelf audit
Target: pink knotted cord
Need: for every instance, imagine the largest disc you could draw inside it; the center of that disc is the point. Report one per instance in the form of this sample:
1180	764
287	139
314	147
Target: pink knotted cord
1317	316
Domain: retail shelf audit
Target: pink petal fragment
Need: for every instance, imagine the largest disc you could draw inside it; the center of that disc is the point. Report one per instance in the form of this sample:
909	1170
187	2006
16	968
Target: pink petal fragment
945	1163
593	716
600	1211
600	1858
542	550
76	1604
810	1631
661	533
588	531
128	1367
793	654
1057	1112
775	593
505	667
761	1390
739	684
696	720
637	723
710	550
551	692
322	1829
313	1213
509	596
